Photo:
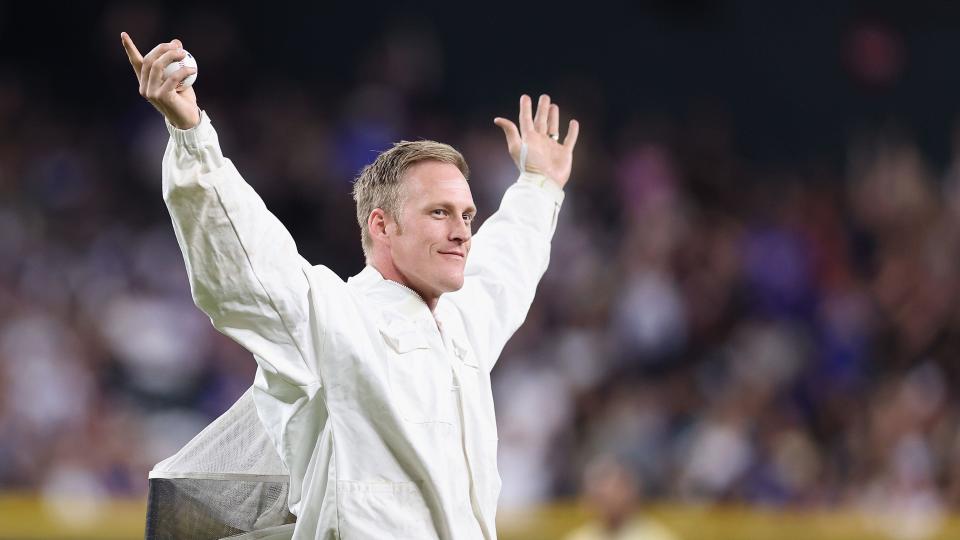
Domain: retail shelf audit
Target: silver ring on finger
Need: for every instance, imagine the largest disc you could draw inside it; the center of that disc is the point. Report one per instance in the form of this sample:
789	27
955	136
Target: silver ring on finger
554	136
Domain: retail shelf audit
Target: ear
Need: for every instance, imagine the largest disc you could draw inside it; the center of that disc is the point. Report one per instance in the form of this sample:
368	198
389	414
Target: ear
379	226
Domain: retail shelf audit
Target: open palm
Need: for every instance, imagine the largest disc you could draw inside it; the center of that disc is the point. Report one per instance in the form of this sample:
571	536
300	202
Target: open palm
535	147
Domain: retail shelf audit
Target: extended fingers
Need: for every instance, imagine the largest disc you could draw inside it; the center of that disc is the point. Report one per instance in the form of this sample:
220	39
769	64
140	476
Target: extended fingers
133	54
553	120
543	110
526	115
510	131
573	131
546	121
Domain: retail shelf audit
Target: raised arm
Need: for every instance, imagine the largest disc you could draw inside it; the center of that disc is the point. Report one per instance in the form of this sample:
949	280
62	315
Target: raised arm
243	265
511	251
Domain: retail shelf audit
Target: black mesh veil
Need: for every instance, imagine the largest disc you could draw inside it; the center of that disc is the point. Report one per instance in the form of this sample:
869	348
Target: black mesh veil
227	482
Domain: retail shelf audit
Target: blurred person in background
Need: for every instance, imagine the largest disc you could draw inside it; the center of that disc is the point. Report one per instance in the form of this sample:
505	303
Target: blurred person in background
376	392
613	494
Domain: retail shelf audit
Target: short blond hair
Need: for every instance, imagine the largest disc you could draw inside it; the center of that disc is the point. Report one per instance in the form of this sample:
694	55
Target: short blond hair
380	184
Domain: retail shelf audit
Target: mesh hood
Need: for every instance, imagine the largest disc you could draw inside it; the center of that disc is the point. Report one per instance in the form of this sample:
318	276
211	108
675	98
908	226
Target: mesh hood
228	480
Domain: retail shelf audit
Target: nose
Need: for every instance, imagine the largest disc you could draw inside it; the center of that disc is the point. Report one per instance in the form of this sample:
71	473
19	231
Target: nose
460	231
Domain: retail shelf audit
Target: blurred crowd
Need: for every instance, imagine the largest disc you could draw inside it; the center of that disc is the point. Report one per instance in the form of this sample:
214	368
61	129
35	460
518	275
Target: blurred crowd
779	335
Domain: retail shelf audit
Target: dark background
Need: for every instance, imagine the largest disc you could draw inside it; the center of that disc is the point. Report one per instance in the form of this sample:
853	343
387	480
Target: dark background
782	71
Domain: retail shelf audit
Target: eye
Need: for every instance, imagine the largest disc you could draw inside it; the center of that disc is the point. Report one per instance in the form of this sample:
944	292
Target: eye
468	218
439	212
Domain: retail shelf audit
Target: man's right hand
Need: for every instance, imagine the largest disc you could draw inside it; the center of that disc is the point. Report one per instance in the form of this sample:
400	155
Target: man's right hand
180	108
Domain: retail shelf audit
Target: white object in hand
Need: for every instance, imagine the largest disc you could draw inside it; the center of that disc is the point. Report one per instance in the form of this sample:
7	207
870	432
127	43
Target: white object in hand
188	61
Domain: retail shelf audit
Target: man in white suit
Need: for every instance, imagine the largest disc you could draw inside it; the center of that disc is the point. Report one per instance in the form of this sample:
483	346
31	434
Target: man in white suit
375	392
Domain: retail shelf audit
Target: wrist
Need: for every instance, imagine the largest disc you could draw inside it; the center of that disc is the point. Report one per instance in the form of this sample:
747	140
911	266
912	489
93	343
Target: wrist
544	182
185	123
544	176
195	137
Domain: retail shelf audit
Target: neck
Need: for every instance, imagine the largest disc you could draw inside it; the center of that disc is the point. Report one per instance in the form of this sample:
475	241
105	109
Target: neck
389	271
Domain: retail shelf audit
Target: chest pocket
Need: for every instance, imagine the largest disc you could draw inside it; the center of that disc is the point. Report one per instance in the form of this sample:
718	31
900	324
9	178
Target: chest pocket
420	383
465	354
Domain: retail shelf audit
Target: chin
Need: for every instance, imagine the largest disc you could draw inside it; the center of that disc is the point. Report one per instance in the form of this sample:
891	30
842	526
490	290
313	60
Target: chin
453	283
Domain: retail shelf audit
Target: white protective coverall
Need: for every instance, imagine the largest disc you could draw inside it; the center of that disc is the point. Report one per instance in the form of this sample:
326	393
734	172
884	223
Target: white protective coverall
380	409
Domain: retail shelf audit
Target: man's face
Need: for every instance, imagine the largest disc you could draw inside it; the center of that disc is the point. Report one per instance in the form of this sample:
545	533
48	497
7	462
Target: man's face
430	249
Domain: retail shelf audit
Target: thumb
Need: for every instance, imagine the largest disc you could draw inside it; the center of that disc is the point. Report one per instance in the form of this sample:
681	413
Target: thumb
510	131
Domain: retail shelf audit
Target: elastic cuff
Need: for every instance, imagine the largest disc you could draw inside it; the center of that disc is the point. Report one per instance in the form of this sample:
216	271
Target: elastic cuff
543	182
195	137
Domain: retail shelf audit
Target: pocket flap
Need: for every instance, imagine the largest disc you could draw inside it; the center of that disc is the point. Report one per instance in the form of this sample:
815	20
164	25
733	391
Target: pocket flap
464	353
403	337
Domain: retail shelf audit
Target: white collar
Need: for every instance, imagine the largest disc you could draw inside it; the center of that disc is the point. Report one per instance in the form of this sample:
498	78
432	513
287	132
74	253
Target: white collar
391	294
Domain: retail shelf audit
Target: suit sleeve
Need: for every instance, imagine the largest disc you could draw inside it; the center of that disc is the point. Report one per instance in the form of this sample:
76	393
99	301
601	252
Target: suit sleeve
508	257
244	269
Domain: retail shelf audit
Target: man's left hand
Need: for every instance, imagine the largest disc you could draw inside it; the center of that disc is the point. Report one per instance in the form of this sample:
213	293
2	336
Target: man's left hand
544	153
